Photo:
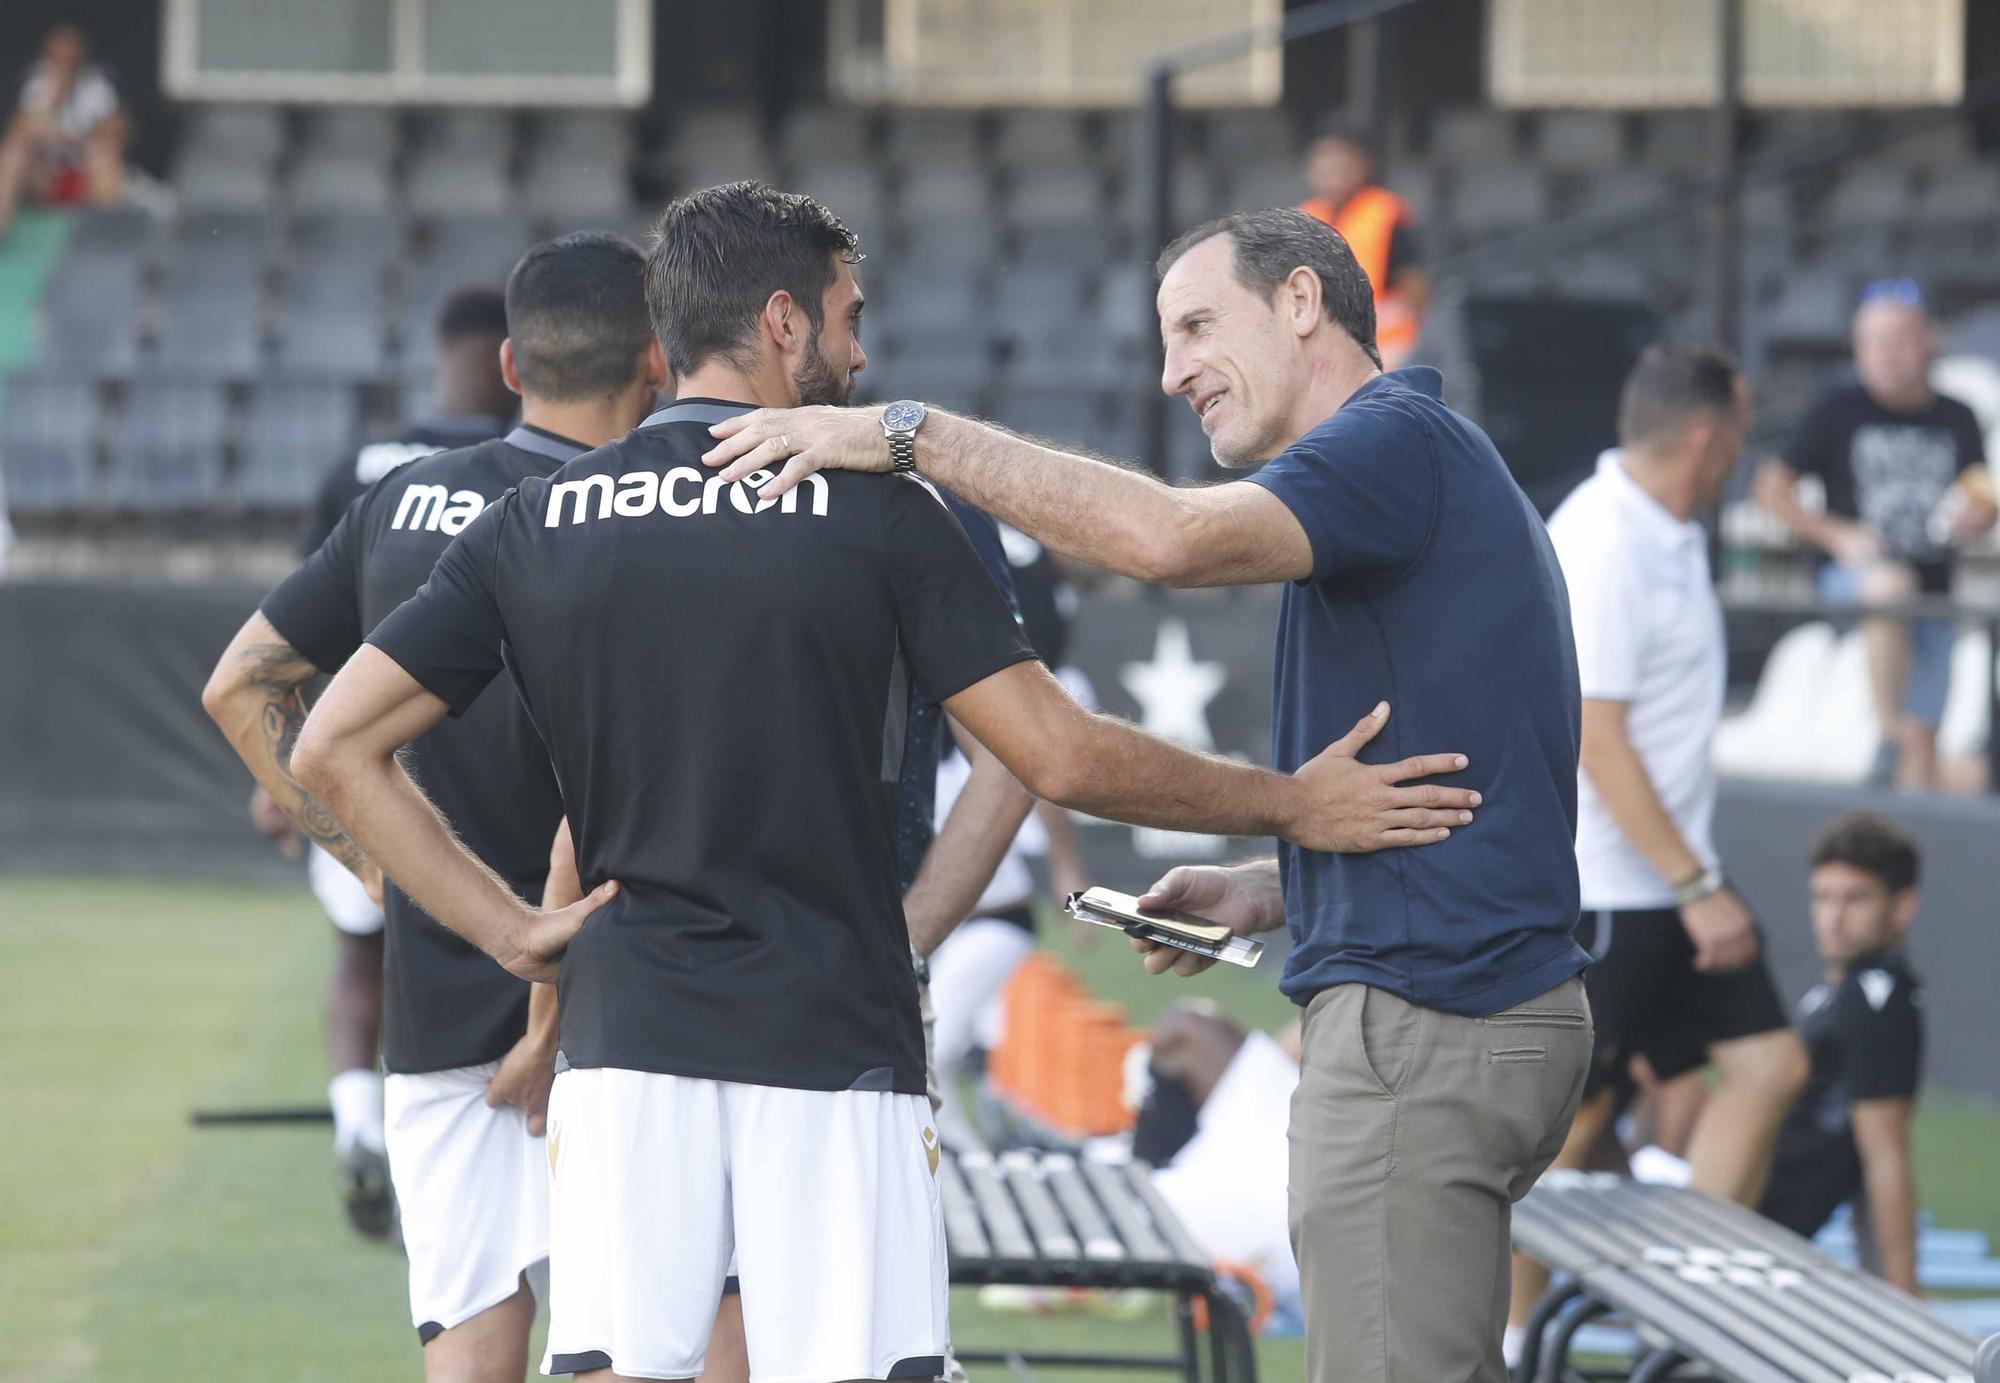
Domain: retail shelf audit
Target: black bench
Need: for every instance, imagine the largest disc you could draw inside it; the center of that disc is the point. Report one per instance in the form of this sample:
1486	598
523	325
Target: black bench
1048	1219
1722	1287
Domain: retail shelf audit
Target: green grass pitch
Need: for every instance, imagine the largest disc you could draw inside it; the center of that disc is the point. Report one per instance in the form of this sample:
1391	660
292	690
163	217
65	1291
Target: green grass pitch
134	1247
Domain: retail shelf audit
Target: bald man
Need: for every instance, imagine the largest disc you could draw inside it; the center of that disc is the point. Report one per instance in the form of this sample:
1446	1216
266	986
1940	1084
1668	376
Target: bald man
1904	470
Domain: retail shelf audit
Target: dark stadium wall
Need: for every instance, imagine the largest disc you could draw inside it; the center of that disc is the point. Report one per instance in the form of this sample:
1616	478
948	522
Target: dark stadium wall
109	766
125	36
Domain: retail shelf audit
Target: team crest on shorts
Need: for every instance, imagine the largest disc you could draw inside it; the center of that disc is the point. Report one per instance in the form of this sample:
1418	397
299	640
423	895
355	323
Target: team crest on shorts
931	1147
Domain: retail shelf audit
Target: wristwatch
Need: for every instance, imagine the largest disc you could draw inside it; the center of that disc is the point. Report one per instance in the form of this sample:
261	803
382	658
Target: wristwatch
900	421
1698	886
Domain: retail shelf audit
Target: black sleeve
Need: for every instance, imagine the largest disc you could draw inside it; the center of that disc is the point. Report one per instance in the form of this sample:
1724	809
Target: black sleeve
449	634
1881	1036
318	607
1971	441
954	624
337	492
1815	445
1405	251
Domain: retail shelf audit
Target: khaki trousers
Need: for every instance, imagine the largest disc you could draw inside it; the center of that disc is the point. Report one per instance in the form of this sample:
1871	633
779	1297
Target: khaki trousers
1413	1133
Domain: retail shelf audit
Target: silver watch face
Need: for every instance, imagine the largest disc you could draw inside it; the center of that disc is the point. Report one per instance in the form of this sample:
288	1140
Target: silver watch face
904	416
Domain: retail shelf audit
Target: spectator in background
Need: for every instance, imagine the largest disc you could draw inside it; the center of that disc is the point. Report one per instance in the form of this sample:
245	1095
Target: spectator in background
1378	228
1905	479
1678	973
1848	1138
66	143
472	404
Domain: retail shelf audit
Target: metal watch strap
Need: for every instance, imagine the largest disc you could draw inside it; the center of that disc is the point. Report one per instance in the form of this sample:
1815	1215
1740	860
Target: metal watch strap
1699	886
903	451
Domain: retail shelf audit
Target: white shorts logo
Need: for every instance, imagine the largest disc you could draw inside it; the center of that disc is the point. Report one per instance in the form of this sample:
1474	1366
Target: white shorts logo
678	493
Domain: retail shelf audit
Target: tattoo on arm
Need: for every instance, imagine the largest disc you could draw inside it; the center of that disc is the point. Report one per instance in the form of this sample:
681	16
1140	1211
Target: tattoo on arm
277	671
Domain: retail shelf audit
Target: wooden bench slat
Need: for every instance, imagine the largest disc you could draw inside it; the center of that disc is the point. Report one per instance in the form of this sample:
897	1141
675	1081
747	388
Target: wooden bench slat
1022	1173
1142	1242
1005	1231
964	1236
1080	1208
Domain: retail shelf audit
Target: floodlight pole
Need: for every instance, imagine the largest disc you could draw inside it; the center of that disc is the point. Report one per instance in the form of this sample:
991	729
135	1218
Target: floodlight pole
1726	225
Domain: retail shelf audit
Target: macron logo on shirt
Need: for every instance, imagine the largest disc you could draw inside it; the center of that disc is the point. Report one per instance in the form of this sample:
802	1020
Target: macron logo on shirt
433	509
678	493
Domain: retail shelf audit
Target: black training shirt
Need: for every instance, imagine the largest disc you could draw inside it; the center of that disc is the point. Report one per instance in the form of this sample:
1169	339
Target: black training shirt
446	1004
350	479
1865	1037
1890	470
722	684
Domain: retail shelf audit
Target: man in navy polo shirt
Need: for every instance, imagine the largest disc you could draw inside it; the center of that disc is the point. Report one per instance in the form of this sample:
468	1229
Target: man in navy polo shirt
1446	1032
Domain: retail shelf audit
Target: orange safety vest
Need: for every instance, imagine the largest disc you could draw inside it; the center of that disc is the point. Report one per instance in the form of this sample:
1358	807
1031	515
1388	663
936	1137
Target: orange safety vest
1367	223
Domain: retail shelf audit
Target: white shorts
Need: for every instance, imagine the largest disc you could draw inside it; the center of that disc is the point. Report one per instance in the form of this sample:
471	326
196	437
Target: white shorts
347	903
828	1199
473	1187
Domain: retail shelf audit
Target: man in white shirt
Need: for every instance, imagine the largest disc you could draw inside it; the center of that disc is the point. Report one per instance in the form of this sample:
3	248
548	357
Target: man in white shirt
1678	974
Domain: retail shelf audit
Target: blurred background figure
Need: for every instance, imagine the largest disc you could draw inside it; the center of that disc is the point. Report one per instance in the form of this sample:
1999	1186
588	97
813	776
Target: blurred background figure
1848	1138
1379	227
66	143
470	403
1903	471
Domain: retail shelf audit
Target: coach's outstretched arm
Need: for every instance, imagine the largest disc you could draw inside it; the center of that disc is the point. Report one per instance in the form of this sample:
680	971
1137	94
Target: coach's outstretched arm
346	757
256	696
1111	768
1100	511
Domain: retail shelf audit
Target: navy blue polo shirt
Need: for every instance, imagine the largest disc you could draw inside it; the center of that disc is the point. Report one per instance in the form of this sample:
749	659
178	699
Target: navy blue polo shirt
1434	587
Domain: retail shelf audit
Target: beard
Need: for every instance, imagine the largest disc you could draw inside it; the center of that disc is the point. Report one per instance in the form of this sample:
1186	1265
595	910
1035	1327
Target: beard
815	382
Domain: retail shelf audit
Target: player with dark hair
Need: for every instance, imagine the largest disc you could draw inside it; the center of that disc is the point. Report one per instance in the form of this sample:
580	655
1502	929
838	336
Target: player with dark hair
470	1055
721	684
1848	1138
472	405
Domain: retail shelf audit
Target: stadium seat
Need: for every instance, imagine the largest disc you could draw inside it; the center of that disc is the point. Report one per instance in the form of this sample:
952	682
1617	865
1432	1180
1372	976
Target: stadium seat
293	430
971	243
1057	196
167	447
925	143
1038	303
1759	741
1080	246
1872	194
814	135
1680	141
461	166
1967	194
1066	415
1471	137
1254	186
346	160
1497	198
1580	141
857	192
48	436
938	191
89	312
1813	309
210	337
717	144
1033	142
1239	137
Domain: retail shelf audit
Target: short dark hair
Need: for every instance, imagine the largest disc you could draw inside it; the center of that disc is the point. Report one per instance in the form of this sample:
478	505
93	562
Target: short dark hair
1872	844
1270	244
474	310
576	313
1669	385
718	255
